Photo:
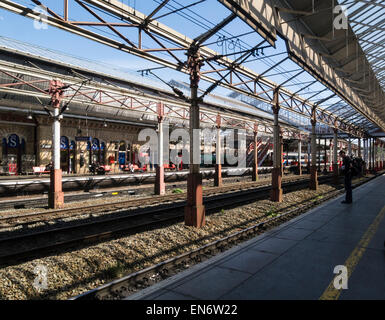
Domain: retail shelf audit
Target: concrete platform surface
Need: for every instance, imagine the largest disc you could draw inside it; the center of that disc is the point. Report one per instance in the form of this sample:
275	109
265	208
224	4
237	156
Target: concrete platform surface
297	260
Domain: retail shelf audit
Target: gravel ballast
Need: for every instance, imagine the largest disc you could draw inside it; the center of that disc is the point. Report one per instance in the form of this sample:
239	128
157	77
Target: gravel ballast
72	273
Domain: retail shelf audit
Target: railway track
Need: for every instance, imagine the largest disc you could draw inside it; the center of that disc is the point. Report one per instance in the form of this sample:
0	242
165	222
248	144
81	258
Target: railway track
127	285
16	248
41	202
24	219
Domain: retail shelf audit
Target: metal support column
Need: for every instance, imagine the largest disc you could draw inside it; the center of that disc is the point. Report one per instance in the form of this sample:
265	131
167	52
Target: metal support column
281	143
299	155
318	147
325	157
255	163
366	154
160	186
313	168
370	155
308	155
376	155
276	192
56	195
335	157
373	165
382	156
331	155
218	155
194	210
349	146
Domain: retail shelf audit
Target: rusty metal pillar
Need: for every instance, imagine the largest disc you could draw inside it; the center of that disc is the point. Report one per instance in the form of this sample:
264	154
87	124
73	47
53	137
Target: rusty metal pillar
255	163
313	167
299	155
335	156
160	186
56	195
276	191
218	157
194	210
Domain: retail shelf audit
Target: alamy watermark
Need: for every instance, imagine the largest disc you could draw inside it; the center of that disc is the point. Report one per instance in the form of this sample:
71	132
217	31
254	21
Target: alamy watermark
341	279
40	23
232	146
41	280
341	20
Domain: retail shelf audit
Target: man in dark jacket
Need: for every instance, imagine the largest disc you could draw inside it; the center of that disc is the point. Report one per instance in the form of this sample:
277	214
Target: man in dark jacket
347	170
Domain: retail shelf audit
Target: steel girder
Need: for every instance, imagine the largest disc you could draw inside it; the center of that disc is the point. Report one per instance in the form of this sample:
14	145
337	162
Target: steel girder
221	66
296	21
32	82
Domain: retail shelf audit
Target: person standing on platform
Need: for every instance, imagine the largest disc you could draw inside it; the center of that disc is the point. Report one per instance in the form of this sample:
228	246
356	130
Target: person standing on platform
347	170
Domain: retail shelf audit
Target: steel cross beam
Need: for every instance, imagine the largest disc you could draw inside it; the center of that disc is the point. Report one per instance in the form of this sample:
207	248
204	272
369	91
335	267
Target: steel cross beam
158	33
132	102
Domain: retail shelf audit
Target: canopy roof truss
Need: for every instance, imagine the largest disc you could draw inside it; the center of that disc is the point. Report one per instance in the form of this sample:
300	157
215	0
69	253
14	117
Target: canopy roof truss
158	43
91	95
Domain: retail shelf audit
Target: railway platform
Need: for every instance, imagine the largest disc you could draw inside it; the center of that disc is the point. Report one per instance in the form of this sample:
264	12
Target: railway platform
333	245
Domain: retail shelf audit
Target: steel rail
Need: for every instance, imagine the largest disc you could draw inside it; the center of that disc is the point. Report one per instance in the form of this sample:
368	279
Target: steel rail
18	248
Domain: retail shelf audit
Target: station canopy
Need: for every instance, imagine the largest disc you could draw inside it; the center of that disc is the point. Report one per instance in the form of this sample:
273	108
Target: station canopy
248	49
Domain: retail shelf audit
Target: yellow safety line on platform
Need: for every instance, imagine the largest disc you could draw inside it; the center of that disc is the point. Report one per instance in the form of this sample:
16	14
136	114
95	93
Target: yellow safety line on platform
331	293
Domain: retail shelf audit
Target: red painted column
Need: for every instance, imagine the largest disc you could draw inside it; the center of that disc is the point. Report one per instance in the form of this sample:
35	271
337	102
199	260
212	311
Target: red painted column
194	210
56	195
276	194
160	186
218	152
255	163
